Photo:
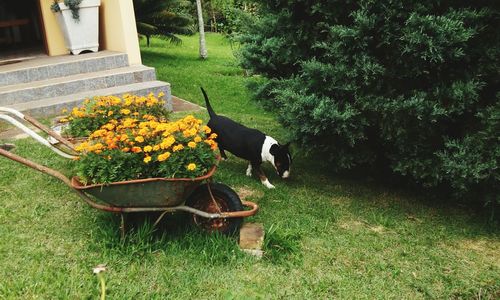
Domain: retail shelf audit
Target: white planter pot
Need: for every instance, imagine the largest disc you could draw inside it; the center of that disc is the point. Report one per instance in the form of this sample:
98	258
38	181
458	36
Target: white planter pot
84	34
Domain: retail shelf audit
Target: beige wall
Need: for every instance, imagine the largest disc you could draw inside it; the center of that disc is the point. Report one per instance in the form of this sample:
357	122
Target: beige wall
117	29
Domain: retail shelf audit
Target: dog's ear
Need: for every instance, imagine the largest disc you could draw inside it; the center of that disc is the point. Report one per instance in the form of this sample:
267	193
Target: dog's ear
274	149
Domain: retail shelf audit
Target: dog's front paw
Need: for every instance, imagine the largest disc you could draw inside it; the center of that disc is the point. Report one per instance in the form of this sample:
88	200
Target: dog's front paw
268	184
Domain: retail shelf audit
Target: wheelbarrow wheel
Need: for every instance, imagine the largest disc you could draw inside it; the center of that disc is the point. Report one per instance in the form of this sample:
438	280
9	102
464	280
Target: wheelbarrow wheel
226	200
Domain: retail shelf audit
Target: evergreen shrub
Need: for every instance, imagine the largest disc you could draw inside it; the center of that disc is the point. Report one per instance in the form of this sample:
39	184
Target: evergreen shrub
408	85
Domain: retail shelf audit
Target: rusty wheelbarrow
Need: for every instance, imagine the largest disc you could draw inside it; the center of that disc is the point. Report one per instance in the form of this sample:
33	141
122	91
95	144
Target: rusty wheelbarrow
214	207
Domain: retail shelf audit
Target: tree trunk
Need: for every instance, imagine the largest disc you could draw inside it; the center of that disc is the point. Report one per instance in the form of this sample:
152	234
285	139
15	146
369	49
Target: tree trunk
203	47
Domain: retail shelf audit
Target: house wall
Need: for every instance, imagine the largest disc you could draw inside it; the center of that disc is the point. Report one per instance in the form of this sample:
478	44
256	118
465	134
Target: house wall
117	31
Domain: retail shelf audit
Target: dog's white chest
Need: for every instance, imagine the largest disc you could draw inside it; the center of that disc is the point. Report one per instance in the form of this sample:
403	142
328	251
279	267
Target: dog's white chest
266	148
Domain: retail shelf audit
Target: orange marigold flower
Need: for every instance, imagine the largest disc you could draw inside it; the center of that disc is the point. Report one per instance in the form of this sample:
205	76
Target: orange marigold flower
126	149
136	149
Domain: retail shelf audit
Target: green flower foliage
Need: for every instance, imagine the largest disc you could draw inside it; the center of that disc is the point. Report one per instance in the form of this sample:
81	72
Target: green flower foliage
411	84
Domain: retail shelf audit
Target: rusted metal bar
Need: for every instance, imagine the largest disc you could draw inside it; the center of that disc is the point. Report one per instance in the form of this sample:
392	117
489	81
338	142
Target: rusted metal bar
34	135
50	132
38	125
254	208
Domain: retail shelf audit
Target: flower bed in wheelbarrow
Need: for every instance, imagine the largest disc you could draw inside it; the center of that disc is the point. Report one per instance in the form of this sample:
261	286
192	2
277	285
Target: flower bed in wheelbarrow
140	163
143	163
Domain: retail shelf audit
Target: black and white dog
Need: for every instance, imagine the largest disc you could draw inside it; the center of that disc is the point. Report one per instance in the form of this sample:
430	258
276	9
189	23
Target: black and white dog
249	144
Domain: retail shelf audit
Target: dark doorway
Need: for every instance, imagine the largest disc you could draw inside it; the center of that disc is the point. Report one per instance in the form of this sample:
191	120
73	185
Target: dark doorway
20	29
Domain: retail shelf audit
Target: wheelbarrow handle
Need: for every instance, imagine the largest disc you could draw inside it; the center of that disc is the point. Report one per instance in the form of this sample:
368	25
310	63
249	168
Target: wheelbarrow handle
36	136
35	166
38	125
58	175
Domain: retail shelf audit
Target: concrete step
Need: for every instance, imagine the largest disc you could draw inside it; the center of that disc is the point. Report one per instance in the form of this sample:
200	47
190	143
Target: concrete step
60	66
54	105
56	87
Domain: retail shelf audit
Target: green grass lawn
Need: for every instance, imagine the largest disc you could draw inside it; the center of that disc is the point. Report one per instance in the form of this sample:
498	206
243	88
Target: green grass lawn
326	237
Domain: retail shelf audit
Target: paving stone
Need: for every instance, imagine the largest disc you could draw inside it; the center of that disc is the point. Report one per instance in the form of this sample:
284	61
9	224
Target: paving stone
252	238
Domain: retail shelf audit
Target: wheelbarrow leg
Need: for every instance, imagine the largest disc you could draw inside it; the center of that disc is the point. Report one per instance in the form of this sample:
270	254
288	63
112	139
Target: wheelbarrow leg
122	226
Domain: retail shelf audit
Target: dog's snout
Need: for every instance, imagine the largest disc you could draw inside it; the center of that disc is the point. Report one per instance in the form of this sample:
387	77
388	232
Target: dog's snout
286	174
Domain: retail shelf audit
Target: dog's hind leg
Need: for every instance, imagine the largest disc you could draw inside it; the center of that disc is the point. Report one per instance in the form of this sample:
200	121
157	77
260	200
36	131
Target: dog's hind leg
249	169
262	176
222	153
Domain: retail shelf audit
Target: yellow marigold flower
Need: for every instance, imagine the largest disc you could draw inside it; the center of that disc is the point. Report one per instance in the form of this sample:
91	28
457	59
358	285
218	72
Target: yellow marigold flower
108	126
177	148
129	122
110	113
148	148
161	94
189	132
143	131
136	149
82	147
139	139
167	142
100	132
123	137
135	114
213	136
191	167
197	139
163	156
207	129
192	145
156	147
147	159
125	111
63	120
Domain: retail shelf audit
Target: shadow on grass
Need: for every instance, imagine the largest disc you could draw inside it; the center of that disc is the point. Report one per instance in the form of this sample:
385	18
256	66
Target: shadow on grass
173	235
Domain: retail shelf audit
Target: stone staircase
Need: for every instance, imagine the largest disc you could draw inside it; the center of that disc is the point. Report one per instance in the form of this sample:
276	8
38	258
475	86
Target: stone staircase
44	86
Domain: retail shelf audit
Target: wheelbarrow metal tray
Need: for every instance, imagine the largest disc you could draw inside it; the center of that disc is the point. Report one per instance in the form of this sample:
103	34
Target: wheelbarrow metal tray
150	192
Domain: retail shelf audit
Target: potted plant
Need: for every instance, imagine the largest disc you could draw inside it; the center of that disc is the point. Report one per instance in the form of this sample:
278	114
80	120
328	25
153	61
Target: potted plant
79	21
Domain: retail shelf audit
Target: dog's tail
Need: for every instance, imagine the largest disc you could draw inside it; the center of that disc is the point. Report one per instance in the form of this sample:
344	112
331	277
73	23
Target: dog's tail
211	112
